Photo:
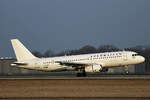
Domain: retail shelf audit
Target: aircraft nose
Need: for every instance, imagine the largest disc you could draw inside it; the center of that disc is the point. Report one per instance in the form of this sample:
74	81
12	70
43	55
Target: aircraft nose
142	59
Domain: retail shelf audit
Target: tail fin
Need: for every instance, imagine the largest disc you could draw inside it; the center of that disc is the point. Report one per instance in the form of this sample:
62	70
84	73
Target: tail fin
21	52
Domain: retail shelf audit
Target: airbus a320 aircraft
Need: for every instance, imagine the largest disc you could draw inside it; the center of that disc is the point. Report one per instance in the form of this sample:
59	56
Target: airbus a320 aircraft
97	62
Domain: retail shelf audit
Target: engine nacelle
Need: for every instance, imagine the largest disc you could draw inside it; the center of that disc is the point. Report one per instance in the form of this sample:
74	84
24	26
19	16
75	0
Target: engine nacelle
93	68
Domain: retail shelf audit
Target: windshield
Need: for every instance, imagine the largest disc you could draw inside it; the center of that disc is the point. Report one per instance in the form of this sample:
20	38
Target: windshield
134	55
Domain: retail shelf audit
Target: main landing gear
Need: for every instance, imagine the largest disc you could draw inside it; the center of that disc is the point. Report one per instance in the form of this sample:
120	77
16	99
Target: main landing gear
82	73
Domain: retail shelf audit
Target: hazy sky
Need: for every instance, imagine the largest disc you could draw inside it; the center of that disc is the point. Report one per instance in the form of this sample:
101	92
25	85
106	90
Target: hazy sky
69	24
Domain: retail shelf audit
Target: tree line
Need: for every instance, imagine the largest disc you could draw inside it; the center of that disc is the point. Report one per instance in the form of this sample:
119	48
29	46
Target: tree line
83	50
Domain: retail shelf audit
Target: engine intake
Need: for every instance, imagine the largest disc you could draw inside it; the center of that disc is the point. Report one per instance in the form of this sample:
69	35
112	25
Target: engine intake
94	68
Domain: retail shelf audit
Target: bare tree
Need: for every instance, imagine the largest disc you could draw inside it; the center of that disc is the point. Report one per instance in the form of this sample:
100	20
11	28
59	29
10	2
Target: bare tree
87	49
49	53
37	54
108	48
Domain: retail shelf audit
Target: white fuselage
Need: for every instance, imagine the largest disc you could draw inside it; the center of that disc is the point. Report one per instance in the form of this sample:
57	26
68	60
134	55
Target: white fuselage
108	59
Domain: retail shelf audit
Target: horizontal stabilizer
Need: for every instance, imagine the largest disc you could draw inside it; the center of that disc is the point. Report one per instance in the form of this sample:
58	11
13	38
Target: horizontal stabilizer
18	64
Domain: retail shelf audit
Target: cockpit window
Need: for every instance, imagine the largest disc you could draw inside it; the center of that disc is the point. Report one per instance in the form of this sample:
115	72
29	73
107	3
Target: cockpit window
134	55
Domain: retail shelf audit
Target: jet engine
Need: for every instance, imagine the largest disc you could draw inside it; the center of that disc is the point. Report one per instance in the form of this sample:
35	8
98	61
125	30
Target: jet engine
93	68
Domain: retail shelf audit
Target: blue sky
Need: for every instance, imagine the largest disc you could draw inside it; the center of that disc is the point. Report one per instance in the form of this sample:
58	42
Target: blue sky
69	24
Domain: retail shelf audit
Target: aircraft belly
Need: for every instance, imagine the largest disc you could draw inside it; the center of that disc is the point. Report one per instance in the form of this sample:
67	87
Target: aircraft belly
116	62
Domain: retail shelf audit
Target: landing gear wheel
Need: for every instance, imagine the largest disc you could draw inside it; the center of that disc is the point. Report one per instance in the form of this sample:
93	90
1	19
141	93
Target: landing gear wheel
83	74
78	74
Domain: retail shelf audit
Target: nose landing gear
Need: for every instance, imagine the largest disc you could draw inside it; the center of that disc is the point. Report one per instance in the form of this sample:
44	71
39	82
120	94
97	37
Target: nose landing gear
126	70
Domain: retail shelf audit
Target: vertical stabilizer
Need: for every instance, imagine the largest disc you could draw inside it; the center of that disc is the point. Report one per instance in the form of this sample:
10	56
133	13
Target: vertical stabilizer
21	52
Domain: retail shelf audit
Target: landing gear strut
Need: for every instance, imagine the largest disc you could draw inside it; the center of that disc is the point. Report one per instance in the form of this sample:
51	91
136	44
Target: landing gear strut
82	73
126	69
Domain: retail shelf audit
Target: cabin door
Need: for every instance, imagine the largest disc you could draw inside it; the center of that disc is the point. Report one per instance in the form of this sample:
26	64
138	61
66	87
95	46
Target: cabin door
125	57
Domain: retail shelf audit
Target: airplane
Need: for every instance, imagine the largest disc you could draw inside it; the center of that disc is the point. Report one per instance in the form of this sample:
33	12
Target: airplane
96	62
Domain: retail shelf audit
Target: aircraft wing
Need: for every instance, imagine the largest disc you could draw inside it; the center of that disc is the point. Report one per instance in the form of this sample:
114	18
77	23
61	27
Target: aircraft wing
73	64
